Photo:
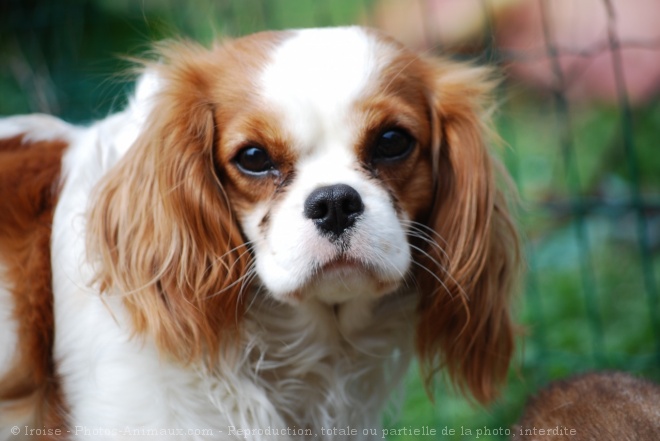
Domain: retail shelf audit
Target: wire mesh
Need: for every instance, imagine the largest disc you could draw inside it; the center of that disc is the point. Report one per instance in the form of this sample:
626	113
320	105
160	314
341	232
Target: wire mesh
591	295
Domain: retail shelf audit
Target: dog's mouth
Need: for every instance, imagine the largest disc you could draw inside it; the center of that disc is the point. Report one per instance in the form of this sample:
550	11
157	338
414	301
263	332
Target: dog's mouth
341	265
342	279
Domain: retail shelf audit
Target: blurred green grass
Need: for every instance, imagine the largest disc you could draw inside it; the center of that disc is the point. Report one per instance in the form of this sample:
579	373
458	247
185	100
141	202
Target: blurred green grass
584	303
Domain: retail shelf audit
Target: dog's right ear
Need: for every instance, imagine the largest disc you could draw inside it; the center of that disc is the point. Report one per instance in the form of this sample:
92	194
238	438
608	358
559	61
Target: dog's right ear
465	324
161	228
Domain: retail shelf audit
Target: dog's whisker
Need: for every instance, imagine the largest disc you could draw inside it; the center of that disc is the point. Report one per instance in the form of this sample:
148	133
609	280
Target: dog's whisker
444	270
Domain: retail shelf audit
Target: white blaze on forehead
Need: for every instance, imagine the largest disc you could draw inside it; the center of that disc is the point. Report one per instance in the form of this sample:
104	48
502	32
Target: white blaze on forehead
312	82
316	75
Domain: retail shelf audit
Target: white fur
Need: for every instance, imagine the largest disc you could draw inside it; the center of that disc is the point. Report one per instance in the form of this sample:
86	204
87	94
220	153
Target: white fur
320	121
305	366
8	326
36	127
342	62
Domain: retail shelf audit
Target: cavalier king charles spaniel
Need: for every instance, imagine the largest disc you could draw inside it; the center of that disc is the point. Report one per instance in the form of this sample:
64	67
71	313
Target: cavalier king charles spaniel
256	247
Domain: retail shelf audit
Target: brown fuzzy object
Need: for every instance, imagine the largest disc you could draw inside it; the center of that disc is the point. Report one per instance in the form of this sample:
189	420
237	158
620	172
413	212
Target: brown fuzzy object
597	406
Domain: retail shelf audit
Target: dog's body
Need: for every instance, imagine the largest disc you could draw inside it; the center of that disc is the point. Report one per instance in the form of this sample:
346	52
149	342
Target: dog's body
610	406
295	371
255	247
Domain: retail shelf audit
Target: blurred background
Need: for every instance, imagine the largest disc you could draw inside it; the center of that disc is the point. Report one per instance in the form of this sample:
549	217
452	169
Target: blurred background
579	114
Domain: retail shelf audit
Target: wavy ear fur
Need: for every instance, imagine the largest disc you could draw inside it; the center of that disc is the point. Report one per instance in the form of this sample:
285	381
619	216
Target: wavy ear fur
465	325
161	227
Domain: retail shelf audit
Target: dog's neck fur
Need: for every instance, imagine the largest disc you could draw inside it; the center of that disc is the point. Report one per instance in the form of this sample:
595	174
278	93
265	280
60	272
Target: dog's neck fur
312	370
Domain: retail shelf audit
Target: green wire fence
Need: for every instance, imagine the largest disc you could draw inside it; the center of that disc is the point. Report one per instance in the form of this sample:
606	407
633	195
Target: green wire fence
588	174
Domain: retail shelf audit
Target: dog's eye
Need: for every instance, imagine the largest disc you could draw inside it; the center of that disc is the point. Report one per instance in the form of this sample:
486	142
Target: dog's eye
254	161
393	145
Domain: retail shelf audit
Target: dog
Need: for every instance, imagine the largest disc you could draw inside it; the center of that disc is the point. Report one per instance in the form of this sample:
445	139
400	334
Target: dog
608	406
257	246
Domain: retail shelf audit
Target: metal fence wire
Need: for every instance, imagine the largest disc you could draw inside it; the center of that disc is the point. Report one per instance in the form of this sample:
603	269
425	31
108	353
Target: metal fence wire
587	168
581	203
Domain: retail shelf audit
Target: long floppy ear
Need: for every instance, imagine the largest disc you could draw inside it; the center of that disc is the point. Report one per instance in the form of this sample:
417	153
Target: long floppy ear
161	227
465	325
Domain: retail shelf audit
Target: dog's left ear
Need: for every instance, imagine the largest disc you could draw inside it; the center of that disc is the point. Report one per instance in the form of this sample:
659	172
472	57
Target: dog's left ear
468	273
161	228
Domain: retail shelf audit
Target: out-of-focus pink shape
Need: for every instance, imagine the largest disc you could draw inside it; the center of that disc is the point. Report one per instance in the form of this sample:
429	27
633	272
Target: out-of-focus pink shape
579	31
577	28
425	23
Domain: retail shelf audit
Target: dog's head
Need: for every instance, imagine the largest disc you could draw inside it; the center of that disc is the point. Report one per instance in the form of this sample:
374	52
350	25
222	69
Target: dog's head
323	165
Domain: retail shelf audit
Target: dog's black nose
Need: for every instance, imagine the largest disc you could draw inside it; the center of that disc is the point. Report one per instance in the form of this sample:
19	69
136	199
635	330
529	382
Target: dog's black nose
334	208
